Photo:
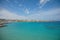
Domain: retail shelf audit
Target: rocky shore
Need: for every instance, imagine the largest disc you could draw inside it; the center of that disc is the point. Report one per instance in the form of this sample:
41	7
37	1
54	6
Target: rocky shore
3	22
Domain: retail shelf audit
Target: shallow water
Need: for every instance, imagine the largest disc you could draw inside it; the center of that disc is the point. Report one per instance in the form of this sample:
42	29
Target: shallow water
31	31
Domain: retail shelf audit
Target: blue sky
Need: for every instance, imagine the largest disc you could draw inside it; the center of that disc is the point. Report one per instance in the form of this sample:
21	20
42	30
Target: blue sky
30	9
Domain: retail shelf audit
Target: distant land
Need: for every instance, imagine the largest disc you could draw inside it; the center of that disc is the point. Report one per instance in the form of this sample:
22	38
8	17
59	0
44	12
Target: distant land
3	22
10	20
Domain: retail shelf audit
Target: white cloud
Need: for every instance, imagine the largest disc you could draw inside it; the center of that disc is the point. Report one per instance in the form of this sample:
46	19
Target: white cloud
9	15
43	2
26	11
52	14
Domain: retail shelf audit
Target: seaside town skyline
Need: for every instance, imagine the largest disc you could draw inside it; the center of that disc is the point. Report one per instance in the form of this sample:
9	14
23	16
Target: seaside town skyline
30	9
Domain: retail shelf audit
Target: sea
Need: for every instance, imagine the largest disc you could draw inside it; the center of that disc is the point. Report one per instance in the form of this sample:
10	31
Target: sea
31	31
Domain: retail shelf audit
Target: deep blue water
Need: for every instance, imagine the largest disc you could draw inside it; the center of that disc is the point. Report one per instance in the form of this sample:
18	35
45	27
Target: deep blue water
31	31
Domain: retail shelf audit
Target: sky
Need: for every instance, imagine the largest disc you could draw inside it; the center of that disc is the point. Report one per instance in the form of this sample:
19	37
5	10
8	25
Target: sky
30	9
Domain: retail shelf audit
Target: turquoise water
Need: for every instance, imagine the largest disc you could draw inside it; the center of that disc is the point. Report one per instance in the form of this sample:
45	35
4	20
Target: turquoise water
31	31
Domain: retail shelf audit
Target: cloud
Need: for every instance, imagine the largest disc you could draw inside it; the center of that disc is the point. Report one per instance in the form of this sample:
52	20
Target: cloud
52	14
5	14
26	11
43	2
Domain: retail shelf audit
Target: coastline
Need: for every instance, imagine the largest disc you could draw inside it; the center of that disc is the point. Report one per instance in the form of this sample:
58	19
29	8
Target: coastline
3	22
